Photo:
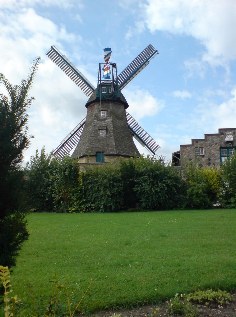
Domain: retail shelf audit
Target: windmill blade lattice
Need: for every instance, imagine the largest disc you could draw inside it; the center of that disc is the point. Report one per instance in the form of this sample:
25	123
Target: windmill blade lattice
139	63
141	135
71	71
70	141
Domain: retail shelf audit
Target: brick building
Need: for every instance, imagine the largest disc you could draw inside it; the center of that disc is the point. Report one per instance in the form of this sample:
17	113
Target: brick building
210	151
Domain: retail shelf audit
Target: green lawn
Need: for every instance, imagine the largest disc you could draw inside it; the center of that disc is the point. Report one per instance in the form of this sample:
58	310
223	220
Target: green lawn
123	259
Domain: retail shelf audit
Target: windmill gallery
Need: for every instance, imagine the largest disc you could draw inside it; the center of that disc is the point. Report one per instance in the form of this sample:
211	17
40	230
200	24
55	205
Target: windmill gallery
107	131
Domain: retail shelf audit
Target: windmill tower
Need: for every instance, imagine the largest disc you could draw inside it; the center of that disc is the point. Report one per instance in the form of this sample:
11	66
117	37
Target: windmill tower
107	131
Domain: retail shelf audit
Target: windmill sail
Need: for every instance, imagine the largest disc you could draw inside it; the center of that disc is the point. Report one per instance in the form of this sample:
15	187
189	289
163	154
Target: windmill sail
71	71
96	140
70	141
139	63
141	135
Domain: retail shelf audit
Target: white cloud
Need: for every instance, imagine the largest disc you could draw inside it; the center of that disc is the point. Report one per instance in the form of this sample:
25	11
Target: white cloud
142	103
182	94
16	4
213	23
218	116
59	104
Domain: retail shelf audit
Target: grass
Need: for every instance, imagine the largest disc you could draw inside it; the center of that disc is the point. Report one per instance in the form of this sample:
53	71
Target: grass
125	259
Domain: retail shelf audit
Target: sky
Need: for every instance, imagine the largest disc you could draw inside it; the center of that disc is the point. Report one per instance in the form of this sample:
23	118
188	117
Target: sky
187	90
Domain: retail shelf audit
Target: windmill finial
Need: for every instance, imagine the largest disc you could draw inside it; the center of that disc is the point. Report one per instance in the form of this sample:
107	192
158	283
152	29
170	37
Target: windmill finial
107	54
106	67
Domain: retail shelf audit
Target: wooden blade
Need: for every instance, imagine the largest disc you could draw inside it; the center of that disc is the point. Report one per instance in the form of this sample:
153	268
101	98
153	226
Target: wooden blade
135	67
141	135
70	141
71	71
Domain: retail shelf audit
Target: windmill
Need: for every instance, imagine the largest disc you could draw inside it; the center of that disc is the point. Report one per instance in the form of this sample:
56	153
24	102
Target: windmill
107	131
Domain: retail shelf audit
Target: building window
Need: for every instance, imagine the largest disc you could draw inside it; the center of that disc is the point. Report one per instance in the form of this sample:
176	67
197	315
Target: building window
103	113
226	153
199	151
102	132
99	157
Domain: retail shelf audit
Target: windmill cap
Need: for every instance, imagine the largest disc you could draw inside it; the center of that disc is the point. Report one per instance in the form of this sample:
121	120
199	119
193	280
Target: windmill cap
115	98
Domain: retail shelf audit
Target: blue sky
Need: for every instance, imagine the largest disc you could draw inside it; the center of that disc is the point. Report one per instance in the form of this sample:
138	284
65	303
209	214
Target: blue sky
187	90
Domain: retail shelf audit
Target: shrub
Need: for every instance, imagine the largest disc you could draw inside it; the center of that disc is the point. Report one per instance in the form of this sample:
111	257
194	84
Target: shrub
10	302
12	234
64	175
210	297
100	189
228	192
203	186
38	181
51	183
181	307
128	174
157	186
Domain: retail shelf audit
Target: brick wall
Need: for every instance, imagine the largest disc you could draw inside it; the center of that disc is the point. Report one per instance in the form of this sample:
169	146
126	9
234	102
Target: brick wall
207	151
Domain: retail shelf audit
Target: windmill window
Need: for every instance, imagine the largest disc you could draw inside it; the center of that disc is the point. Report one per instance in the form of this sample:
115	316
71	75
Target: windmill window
109	90
99	157
103	113
199	151
104	90
102	132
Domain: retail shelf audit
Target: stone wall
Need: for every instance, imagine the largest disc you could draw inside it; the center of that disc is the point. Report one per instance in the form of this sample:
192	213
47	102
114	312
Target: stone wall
117	139
207	151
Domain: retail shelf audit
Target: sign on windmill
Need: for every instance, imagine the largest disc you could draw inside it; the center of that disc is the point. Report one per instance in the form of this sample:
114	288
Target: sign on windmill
107	131
106	67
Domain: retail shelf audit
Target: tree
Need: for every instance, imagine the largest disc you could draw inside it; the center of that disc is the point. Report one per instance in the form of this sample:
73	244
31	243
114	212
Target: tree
13	140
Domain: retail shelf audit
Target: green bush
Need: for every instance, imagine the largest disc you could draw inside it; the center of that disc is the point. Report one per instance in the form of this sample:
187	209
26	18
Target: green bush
179	306
203	186
64	175
210	297
12	234
38	181
143	183
100	189
228	192
51	183
128	174
135	183
157	186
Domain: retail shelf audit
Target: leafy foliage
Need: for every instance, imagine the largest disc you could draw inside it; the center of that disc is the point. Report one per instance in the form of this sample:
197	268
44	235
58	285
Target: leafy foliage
210	297
100	189
179	306
51	184
128	173
60	185
12	234
203	186
10	302
158	186
135	183
13	140
63	183
38	176
228	192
